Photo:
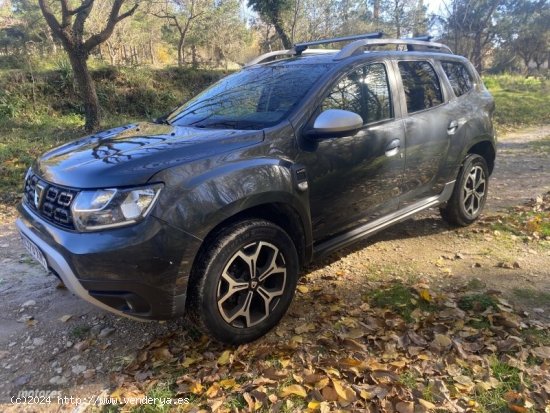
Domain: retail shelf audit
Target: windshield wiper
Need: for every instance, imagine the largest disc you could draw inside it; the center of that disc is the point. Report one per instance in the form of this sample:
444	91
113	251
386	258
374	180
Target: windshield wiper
216	125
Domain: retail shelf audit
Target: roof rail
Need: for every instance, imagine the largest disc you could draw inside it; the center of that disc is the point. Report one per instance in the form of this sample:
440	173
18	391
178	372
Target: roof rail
290	52
356	46
300	47
357	43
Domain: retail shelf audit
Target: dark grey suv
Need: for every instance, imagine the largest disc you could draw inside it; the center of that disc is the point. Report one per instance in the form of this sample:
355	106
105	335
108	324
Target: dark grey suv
213	209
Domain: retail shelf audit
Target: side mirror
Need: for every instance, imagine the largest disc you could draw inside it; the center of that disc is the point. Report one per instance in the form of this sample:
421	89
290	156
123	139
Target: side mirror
335	123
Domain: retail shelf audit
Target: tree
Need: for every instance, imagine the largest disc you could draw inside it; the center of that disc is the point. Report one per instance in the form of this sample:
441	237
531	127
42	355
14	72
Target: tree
419	19
182	14
471	27
529	34
69	29
223	36
272	11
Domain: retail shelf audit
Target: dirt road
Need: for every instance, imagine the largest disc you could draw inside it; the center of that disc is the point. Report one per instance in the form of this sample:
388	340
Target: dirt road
50	339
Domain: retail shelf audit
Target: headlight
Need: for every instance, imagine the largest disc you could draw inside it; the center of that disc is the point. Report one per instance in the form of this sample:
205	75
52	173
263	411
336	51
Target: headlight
110	208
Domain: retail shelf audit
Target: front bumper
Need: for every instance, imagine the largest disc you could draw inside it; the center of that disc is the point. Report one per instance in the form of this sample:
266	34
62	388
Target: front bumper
139	271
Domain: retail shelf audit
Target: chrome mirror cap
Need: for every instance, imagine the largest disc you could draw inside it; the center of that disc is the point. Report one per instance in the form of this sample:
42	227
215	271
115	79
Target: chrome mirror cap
337	122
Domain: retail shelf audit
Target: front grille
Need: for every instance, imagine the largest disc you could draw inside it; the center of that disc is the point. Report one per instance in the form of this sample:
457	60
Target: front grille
51	202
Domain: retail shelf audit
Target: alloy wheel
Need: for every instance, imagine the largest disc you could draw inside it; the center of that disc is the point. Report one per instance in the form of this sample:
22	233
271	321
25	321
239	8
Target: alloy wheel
251	284
474	191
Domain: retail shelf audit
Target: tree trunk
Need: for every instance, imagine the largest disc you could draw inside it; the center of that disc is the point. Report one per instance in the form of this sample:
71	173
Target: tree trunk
476	53
376	12
112	54
287	44
194	56
151	50
181	45
86	89
52	41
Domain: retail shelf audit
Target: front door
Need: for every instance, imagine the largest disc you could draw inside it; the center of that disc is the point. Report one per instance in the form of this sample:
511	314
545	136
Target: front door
355	179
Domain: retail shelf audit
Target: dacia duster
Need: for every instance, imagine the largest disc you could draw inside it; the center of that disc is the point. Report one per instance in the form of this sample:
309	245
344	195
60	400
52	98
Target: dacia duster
213	209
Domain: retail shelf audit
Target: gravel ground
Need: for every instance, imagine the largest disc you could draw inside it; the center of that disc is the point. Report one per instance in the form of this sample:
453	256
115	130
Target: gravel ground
51	340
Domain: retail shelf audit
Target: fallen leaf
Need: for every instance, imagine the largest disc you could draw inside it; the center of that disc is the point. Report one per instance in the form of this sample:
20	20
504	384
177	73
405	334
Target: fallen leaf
304	328
189	361
250	401
329	394
313	405
293	389
426	296
441	342
428	405
213	391
405	407
344	392
229	383
196	387
542	352
161	353
224	358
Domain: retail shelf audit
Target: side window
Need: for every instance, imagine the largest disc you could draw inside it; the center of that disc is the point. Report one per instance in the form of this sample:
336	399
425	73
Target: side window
460	78
421	85
364	91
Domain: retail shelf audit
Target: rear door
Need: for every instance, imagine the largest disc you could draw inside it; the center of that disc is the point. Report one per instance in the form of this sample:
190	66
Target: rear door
357	178
429	126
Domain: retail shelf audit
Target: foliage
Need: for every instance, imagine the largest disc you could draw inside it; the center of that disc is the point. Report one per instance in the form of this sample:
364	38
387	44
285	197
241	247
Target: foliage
477	302
496	34
33	122
520	101
401	300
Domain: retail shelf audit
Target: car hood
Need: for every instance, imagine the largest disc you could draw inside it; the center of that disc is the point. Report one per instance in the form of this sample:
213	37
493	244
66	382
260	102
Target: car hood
132	154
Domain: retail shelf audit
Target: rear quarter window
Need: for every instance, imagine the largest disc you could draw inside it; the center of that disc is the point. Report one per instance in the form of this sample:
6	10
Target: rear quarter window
459	77
421	85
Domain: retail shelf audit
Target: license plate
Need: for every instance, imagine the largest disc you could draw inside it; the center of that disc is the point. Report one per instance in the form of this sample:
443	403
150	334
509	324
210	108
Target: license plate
34	251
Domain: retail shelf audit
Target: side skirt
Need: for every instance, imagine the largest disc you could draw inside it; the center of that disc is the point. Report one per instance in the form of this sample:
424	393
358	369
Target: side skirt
373	227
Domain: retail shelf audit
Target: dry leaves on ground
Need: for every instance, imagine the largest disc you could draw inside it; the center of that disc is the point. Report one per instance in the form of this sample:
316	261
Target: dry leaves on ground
449	354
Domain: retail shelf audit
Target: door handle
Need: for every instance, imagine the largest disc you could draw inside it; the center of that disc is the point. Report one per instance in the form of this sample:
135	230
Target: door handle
453	126
393	147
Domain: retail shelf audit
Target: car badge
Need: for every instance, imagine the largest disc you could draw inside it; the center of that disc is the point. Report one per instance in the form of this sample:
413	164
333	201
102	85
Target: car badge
38	195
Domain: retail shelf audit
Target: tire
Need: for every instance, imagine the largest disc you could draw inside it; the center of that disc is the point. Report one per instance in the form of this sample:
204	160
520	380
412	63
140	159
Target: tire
229	303
469	194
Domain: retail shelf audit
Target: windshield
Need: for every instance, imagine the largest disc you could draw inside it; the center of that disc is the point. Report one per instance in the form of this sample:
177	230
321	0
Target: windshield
253	98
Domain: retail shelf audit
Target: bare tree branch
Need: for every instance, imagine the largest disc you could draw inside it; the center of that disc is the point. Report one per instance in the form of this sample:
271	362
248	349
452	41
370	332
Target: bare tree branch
82	14
114	18
56	27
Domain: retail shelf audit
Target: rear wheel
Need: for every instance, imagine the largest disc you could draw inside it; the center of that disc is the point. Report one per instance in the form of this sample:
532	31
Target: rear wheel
244	282
469	194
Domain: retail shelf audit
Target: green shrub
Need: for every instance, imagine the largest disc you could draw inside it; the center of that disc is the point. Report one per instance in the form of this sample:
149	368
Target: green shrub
520	101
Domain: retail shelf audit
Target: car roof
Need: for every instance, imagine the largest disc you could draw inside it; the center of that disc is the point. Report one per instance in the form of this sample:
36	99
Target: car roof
328	58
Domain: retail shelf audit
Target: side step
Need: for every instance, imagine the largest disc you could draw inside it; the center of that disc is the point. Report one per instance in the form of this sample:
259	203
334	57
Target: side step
373	227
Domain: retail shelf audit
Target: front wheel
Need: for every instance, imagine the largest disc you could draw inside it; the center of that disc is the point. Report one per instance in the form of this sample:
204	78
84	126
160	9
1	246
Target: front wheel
469	194
244	281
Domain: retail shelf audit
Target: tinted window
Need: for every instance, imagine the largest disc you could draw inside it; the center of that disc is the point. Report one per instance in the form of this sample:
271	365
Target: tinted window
250	99
364	91
421	85
459	77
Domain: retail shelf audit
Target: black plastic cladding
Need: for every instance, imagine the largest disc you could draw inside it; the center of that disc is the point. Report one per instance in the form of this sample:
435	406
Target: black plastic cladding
54	202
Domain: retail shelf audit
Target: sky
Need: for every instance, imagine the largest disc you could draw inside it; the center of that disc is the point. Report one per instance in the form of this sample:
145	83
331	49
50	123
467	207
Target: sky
434	5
